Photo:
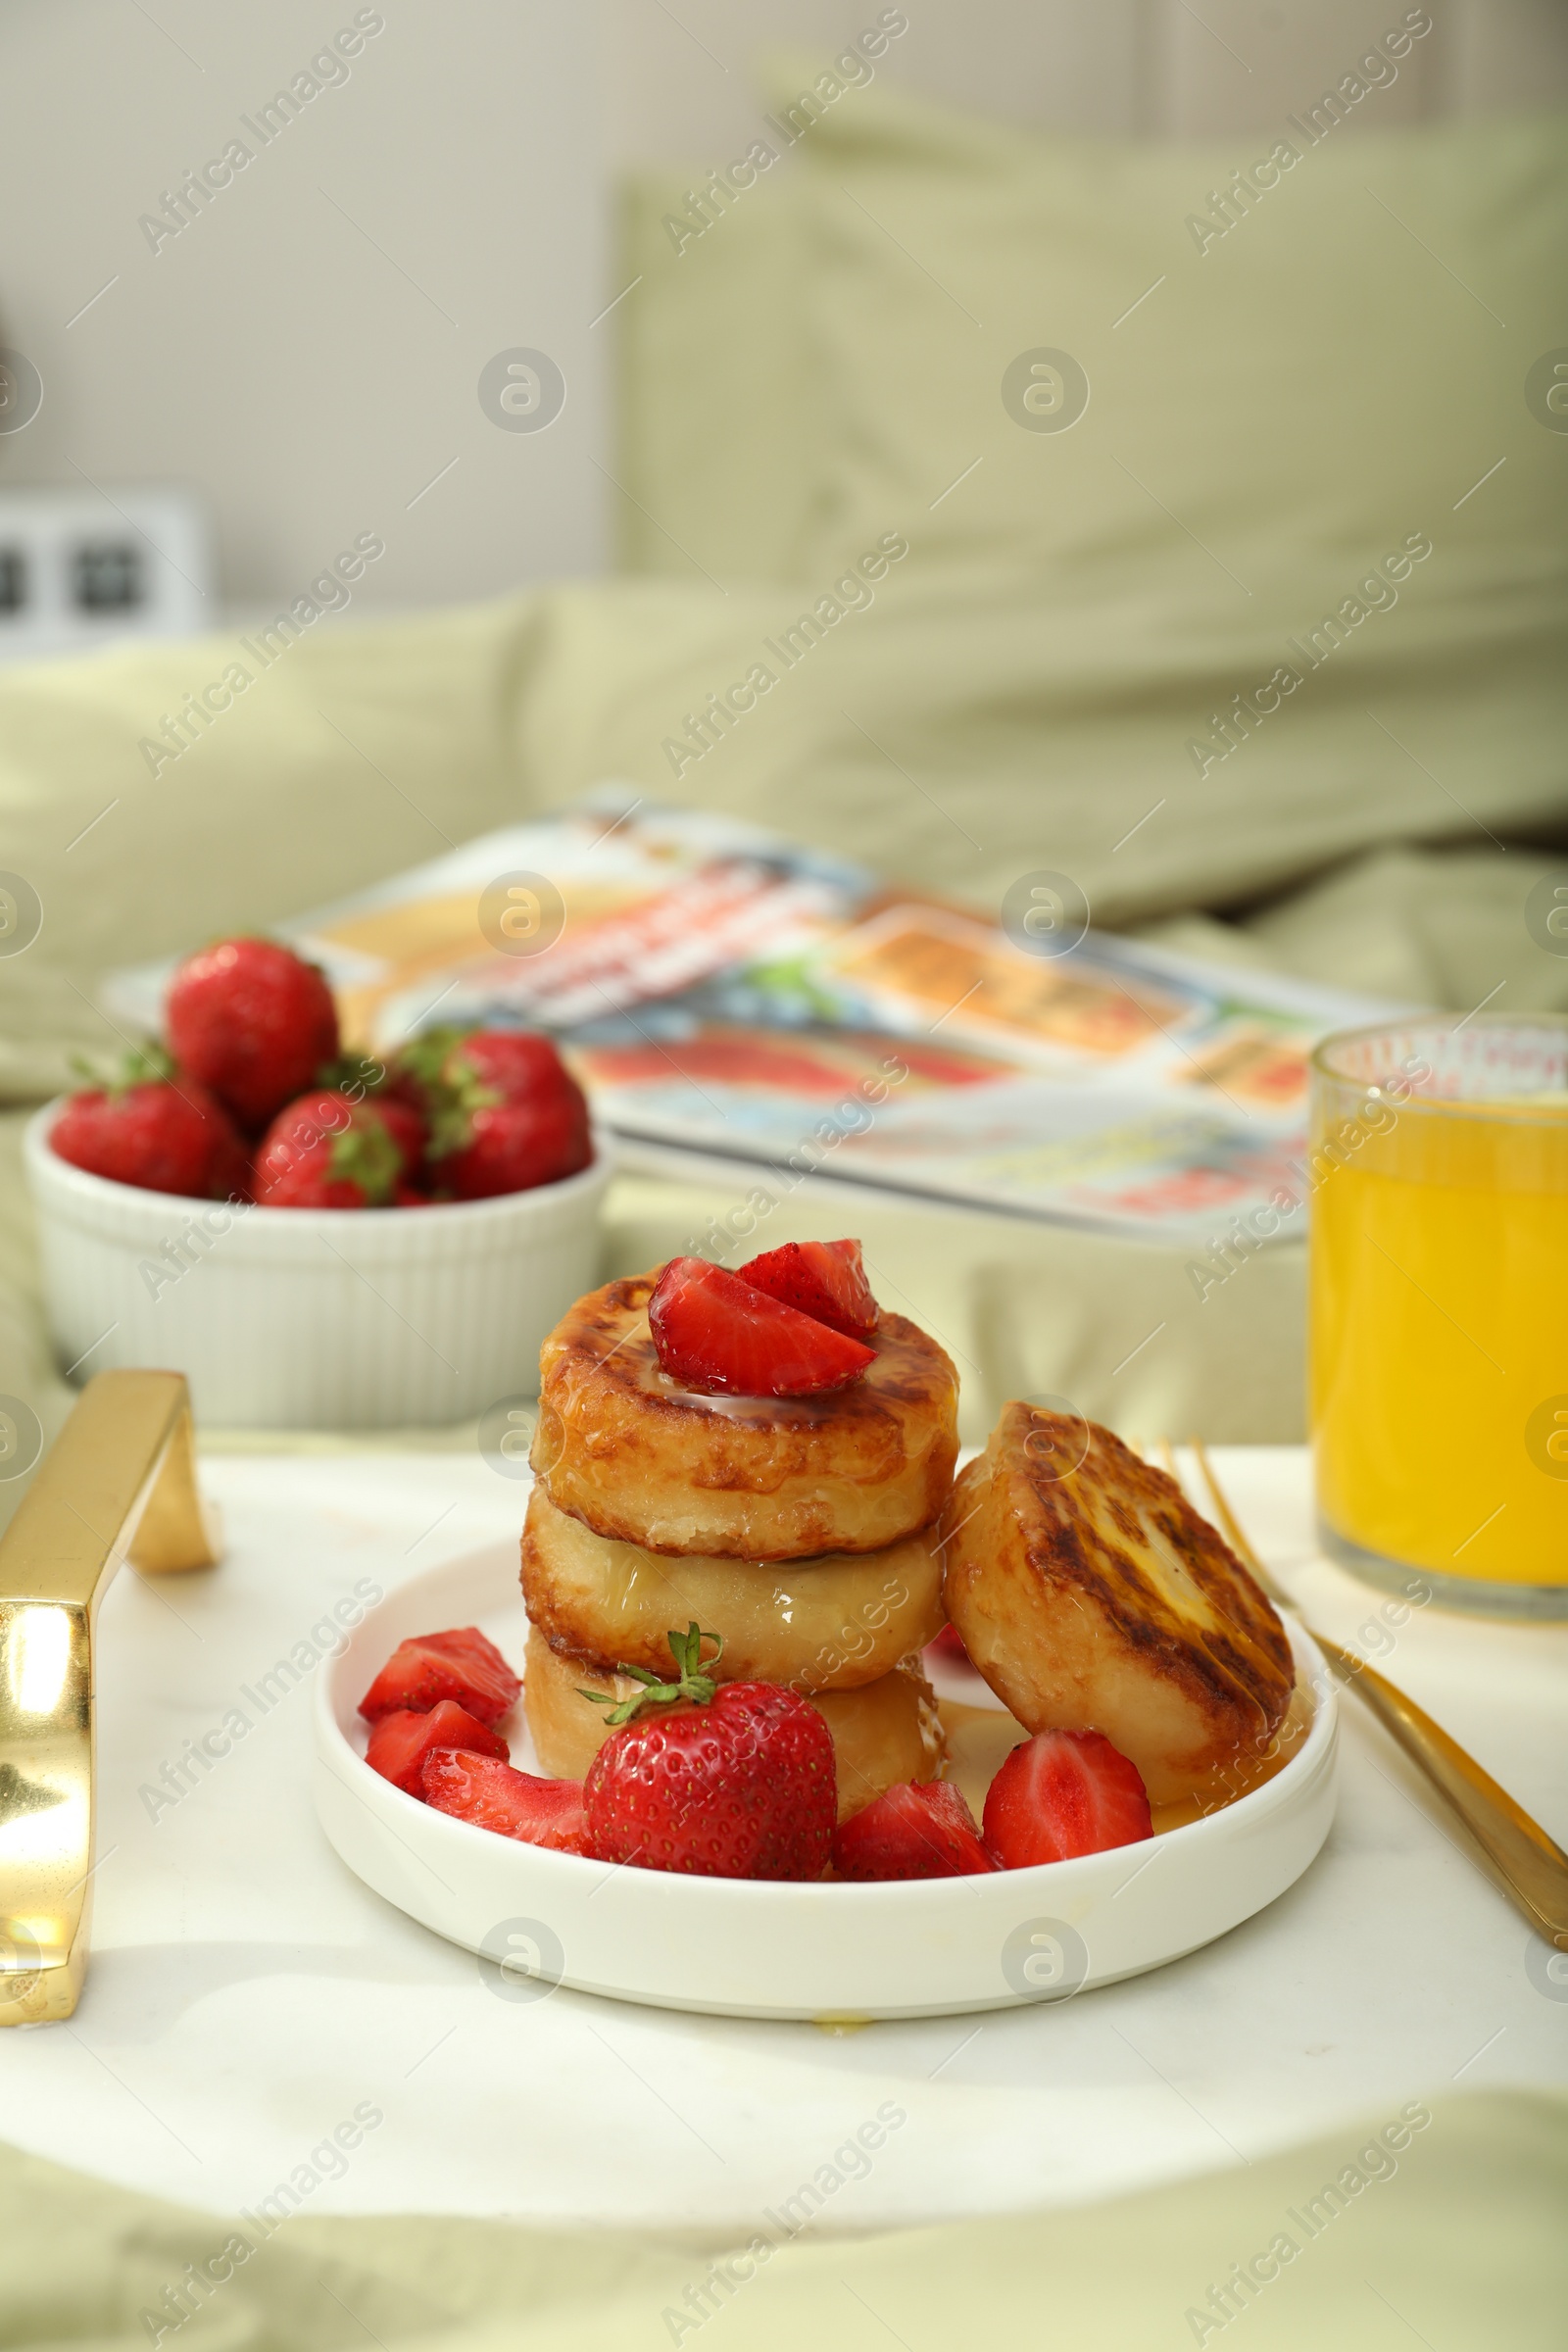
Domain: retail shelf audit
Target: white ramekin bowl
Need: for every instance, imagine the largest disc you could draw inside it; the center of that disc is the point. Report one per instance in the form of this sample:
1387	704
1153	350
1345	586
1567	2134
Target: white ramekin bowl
294	1318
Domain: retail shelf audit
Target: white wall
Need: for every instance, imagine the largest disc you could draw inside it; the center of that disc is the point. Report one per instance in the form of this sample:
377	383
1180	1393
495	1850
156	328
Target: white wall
677	84
307	351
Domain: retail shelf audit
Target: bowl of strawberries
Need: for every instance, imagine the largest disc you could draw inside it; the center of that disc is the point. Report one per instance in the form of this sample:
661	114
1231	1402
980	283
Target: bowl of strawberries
318	1239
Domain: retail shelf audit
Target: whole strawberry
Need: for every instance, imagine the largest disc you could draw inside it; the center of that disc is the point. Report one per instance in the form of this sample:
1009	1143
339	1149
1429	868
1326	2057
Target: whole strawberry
504	1112
326	1152
512	1146
254	1022
724	1781
359	1079
157	1129
405	1126
447	1070
518	1064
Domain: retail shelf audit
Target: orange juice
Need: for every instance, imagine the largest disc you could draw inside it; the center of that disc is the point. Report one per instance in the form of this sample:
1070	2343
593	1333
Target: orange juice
1440	1307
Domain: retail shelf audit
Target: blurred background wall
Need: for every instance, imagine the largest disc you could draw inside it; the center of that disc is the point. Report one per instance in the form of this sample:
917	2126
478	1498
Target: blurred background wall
309	350
1154	67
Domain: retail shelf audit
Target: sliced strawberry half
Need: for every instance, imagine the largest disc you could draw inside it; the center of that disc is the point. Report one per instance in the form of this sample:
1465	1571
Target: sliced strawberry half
459	1664
717	1334
822	1279
514	1805
918	1829
401	1741
1063	1794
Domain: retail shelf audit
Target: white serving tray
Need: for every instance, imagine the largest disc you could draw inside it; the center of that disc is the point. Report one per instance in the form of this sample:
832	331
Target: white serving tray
828	1951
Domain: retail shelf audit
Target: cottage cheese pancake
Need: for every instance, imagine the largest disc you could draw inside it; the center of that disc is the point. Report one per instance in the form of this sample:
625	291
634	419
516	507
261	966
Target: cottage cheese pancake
642	1460
833	1623
1092	1597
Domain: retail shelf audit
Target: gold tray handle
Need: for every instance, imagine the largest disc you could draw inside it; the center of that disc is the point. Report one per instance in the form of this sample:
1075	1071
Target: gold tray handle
119	1483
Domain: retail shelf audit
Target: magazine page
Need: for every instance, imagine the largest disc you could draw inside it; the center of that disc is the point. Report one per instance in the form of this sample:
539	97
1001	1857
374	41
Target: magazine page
721	990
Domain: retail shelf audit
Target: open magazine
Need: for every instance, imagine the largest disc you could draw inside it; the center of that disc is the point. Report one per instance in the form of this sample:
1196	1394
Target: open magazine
722	991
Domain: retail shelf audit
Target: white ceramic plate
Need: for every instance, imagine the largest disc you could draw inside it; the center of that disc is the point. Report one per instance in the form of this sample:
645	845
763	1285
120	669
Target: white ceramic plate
741	1948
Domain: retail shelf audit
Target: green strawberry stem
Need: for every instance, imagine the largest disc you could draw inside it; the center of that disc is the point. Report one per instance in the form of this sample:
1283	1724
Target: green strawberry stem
146	1064
452	1091
692	1685
368	1157
351	1071
422	1054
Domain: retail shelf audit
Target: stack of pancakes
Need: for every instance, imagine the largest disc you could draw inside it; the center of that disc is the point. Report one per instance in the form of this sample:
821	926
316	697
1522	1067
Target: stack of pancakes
801	1530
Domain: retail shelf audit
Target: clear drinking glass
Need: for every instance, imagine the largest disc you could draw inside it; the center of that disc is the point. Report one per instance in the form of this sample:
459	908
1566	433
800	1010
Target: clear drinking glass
1440	1307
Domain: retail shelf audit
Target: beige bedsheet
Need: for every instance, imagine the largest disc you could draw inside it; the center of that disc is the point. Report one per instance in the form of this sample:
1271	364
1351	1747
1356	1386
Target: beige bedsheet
1456	2242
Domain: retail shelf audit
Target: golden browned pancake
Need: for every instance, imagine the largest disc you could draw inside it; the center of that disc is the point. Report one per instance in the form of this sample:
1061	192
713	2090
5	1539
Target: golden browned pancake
829	1624
1092	1598
640	1460
886	1732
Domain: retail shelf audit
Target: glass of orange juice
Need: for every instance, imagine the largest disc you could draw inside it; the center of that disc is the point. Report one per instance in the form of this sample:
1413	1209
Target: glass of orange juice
1440	1308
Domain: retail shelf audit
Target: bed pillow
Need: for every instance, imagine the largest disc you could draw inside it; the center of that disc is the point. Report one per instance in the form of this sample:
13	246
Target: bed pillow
1190	364
720	443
